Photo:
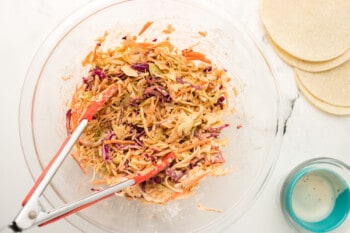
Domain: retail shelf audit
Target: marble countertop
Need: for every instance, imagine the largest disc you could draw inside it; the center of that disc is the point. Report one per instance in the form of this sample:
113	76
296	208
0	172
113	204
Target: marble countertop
309	133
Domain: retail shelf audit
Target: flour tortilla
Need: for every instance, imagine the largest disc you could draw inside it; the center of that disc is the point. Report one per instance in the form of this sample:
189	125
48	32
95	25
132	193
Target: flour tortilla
309	65
331	86
312	30
326	107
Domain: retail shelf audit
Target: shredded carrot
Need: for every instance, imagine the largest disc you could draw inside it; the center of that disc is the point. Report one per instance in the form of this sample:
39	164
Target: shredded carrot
97	46
199	58
204	208
192	55
169	29
143	45
199	143
145	27
203	33
111	53
165	43
88	59
235	92
66	78
99	182
182	91
102	38
92	56
233	111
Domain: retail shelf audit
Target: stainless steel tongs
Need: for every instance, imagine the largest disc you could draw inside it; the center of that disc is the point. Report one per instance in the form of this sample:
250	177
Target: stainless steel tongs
32	214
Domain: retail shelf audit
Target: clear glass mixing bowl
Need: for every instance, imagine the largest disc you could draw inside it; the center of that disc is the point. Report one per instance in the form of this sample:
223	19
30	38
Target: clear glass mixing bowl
252	149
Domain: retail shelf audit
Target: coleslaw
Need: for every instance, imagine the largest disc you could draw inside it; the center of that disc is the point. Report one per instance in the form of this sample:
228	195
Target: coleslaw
168	101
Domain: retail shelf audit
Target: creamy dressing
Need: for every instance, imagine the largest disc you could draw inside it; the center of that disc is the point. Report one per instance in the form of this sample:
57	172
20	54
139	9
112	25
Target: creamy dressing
315	194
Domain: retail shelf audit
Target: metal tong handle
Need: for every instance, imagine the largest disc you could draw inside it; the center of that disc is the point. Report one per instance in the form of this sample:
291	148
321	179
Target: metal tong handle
45	218
30	211
28	215
49	217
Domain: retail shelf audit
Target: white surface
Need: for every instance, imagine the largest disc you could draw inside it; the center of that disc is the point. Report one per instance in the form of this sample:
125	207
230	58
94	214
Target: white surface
25	24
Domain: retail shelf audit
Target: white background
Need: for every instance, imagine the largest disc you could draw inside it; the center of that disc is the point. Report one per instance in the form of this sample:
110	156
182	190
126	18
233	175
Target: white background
25	24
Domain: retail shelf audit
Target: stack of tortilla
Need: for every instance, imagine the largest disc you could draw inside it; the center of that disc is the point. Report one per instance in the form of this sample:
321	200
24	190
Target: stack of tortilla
313	36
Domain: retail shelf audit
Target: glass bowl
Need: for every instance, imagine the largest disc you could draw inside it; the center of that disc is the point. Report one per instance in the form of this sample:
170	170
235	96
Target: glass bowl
254	136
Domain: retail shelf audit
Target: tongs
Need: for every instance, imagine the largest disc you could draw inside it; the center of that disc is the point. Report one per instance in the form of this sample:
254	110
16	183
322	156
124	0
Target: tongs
32	214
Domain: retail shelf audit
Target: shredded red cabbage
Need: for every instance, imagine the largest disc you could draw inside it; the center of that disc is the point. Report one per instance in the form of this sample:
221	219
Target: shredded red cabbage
207	69
217	158
93	73
143	186
217	129
181	81
126	164
152	157
68	120
174	174
194	162
95	190
220	102
88	82
134	102
157	91
152	80
141	67
98	72
105	153
156	180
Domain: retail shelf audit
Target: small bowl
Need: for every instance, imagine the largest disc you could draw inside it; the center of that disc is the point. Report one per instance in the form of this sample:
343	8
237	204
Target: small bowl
316	197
